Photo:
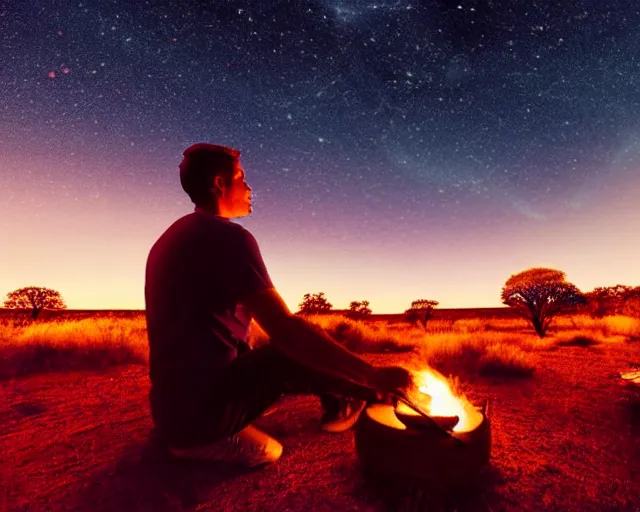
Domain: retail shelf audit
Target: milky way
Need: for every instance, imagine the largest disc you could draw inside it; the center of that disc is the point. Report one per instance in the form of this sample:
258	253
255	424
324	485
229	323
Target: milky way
360	115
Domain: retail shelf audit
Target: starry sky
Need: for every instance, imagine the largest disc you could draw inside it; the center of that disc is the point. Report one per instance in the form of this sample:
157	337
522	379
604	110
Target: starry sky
396	149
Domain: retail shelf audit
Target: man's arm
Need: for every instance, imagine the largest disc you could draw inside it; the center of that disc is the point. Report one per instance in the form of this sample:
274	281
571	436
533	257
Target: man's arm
305	343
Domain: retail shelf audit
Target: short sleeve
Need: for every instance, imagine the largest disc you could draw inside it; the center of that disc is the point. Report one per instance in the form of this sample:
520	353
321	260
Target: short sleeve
247	271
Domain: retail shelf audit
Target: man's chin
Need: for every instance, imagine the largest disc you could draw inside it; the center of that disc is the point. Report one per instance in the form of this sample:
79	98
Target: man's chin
246	212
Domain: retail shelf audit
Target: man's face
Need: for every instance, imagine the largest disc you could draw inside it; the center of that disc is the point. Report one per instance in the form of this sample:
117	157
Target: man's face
235	200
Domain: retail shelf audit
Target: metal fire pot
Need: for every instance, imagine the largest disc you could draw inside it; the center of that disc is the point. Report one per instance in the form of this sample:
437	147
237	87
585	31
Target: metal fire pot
425	452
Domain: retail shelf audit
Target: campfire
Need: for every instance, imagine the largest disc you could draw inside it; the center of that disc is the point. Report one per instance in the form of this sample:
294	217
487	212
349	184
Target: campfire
439	442
436	398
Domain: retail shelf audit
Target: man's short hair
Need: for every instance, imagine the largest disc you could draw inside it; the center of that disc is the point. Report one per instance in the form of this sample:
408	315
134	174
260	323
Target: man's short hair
201	163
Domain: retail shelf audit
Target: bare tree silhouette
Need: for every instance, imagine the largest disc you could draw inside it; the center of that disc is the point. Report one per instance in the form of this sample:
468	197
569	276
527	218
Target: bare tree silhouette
35	298
538	294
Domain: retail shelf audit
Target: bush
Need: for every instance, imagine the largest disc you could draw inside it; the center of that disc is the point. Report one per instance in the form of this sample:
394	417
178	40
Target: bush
505	361
488	353
453	354
576	341
631	307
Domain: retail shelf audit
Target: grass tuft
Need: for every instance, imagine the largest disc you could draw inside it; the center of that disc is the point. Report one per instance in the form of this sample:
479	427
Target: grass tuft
452	354
483	353
506	361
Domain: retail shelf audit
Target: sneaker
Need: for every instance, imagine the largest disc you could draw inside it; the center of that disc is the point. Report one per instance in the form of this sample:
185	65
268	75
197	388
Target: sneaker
249	448
345	418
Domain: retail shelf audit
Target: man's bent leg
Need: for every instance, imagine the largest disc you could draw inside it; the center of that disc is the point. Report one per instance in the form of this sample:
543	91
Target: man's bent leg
247	387
251	383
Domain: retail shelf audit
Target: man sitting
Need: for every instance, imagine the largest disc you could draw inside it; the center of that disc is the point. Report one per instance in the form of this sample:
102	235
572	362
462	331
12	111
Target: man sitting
205	281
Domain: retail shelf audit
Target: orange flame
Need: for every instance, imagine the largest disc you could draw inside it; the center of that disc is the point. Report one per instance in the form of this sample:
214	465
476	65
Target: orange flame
439	400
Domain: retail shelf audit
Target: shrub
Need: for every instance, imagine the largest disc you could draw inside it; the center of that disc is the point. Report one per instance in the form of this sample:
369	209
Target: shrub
505	361
576	341
487	353
453	354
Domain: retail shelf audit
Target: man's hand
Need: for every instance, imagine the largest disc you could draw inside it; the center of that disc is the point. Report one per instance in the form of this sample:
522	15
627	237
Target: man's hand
389	379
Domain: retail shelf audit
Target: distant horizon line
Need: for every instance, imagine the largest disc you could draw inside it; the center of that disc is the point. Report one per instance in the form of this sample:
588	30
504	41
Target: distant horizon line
330	311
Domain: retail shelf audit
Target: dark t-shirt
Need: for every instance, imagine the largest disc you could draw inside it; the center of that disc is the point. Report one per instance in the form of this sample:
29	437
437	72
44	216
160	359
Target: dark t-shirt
196	273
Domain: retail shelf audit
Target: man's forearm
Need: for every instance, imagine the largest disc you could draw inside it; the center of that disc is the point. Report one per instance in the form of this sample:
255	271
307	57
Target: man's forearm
310	346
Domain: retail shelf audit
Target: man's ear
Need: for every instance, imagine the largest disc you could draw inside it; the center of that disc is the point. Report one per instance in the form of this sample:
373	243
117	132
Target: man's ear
218	185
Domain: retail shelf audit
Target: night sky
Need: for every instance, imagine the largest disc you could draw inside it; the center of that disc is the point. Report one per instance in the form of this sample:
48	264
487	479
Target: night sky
396	151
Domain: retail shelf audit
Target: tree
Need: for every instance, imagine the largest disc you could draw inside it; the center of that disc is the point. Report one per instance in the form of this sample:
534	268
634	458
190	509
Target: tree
607	300
359	309
35	298
421	310
538	294
315	303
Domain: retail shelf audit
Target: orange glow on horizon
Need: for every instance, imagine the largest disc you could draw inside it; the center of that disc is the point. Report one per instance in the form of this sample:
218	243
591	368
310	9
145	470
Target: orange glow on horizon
94	251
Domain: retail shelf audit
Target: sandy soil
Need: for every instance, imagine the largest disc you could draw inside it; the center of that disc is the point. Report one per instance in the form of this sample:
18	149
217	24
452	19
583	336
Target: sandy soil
567	439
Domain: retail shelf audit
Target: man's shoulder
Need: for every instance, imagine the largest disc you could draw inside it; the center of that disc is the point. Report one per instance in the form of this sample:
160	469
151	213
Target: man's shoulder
233	234
207	230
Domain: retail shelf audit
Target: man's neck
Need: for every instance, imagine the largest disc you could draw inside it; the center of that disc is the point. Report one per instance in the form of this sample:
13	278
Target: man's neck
209	210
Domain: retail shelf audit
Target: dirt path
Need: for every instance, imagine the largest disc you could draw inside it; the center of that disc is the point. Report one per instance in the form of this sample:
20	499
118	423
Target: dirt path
562	441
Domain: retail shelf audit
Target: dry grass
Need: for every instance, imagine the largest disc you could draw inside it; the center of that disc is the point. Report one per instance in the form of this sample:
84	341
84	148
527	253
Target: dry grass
607	327
362	337
584	331
509	347
502	347
485	353
88	343
506	361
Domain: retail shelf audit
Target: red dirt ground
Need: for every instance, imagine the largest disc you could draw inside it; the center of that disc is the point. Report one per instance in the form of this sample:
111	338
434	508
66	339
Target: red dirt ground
567	439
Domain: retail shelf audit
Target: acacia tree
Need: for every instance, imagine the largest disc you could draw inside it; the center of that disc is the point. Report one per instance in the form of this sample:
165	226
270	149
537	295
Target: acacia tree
359	309
538	294
35	298
421	311
315	303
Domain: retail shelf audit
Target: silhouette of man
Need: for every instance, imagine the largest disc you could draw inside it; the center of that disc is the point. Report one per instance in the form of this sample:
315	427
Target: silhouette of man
205	281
